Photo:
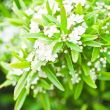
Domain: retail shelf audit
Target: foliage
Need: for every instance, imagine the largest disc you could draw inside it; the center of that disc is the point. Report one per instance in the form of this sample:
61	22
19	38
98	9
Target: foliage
58	51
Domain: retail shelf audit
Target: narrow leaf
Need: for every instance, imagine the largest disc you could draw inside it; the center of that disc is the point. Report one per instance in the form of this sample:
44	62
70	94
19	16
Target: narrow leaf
21	65
16	22
20	85
44	84
53	78
17	4
78	90
79	9
5	84
93	44
73	46
48	8
88	37
45	101
51	19
99	106
63	19
88	80
74	55
95	54
85	69
20	100
104	76
58	46
69	63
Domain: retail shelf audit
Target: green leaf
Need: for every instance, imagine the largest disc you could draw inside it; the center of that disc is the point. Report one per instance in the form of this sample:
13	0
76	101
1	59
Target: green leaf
78	90
98	106
53	78
4	10
88	80
73	46
20	85
5	84
48	8
58	46
85	69
88	37
33	35
63	19
104	76
15	54
44	84
106	96
93	44
69	63
22	4
74	55
107	19
59	1
107	56
79	9
84	107
17	4
39	2
106	38
21	99
45	101
5	66
95	54
51	19
90	18
16	22
21	65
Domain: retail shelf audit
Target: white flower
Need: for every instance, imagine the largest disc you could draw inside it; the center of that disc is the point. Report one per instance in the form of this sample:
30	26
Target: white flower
38	90
55	8
79	18
35	80
103	60
80	30
75	78
40	11
98	65
50	30
30	57
59	18
73	19
107	32
93	74
41	73
44	51
89	63
34	27
29	11
79	1
74	37
79	43
108	7
103	50
68	6
17	72
36	64
8	33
